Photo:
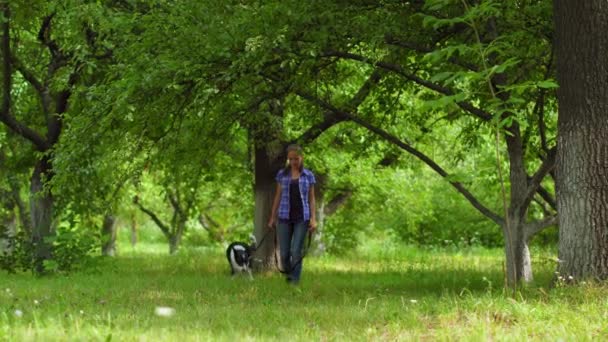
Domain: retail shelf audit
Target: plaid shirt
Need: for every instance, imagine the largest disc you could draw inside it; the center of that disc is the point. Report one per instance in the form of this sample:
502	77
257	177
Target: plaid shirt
307	179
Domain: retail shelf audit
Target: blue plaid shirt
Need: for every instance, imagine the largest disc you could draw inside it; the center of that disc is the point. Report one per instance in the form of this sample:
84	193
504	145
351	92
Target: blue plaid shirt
307	179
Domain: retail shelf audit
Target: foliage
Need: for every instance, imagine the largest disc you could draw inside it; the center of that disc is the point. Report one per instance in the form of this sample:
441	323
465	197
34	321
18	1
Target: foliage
18	255
73	249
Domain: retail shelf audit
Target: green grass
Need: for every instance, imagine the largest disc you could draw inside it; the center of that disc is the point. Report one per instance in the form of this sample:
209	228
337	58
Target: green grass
404	294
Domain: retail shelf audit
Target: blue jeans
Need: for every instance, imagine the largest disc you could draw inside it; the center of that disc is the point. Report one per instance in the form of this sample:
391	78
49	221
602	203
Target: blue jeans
291	245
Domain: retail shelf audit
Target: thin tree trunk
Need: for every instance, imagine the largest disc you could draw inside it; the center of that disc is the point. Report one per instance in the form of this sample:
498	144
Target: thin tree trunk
518	262
179	233
8	227
41	210
582	167
133	231
108	235
24	219
174	243
519	265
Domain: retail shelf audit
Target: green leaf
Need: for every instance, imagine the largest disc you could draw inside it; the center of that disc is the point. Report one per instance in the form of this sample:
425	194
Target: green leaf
547	84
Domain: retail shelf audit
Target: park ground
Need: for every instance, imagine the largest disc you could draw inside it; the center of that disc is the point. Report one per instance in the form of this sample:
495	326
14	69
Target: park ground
375	293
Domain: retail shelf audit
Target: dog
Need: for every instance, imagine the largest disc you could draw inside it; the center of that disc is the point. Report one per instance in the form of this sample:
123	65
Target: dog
240	256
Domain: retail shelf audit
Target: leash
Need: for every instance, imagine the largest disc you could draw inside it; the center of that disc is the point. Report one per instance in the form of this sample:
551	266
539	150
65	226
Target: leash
276	261
276	243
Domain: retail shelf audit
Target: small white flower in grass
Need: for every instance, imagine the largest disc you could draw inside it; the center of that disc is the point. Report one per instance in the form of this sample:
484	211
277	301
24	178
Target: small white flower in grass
413	301
81	312
164	311
570	278
18	313
36	302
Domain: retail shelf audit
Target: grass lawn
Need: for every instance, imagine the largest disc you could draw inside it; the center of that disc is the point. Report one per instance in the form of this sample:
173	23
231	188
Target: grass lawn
405	294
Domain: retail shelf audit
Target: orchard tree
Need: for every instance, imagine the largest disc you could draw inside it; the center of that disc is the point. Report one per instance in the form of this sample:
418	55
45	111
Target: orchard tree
582	167
46	52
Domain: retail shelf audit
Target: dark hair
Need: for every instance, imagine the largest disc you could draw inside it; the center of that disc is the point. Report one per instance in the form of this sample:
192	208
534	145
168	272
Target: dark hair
294	148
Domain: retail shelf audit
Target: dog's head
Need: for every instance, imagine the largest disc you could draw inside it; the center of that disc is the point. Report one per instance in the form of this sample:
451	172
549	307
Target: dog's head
241	253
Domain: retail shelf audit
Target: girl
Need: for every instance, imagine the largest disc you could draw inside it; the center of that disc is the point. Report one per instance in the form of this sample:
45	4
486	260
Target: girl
295	200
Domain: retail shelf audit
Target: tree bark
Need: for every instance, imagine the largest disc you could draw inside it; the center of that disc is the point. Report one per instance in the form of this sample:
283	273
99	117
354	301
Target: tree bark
41	211
8	224
582	156
267	164
24	218
108	235
518	262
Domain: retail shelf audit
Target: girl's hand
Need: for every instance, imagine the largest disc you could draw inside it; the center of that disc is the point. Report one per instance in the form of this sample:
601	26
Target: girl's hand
271	222
312	225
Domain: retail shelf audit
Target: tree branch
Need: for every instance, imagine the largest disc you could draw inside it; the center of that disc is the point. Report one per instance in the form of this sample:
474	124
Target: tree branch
5	113
533	228
545	195
163	227
336	202
468	107
534	182
407	147
27	74
332	119
394	41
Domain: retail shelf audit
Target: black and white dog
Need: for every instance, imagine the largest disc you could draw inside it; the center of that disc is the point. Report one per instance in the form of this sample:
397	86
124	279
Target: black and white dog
240	256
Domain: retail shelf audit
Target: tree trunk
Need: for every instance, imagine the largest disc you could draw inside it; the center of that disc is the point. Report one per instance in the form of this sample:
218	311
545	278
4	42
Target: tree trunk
23	214
108	236
582	153
267	164
176	238
517	254
518	263
8	228
174	243
41	211
318	247
133	231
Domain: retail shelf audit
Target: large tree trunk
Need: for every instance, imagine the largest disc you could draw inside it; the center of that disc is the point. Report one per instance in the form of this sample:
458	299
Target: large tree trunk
582	157
267	164
108	235
41	211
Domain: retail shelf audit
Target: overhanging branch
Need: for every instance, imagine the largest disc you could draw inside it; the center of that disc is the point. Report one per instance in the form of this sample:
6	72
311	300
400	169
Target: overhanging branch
163	227
332	119
5	113
410	149
402	72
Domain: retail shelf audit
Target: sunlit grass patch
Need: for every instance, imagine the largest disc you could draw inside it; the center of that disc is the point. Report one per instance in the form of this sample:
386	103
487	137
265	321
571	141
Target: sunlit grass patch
400	295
